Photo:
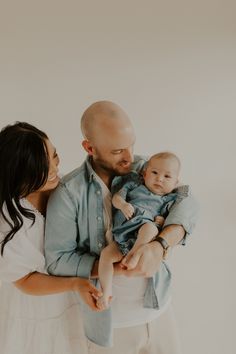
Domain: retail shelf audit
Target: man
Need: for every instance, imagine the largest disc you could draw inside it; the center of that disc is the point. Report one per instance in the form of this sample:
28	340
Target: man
79	226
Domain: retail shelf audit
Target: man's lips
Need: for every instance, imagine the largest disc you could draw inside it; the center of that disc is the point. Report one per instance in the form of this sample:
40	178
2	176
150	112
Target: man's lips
125	164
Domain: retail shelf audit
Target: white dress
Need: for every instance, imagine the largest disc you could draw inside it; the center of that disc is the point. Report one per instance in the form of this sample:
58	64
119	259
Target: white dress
29	324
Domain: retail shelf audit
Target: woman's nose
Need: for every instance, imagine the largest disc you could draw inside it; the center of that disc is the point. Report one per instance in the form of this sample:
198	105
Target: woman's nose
54	167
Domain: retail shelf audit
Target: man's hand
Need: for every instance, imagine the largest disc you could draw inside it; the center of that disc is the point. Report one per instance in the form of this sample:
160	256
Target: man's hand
128	210
145	261
148	257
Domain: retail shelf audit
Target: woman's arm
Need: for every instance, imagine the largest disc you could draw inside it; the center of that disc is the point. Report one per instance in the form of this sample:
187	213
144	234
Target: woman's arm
43	284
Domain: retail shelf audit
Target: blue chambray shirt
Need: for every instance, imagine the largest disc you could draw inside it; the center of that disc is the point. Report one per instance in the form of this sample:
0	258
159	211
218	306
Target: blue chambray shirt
75	236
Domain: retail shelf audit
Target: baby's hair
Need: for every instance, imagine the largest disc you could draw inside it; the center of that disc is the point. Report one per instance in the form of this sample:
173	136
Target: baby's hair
166	155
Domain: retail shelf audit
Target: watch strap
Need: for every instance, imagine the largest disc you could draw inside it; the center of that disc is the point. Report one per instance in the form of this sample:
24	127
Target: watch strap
164	245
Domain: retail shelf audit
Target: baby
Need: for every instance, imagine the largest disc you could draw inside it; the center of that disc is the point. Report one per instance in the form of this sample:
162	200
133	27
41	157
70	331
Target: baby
142	203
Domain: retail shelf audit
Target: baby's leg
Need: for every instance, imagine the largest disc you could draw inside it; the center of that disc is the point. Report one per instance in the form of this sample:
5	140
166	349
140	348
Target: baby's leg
109	255
147	232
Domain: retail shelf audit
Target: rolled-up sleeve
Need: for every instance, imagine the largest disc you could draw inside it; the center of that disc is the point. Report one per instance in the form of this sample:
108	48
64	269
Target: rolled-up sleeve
63	256
185	213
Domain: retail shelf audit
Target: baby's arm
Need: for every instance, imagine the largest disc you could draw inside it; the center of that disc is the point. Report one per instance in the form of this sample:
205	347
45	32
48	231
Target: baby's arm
126	208
159	221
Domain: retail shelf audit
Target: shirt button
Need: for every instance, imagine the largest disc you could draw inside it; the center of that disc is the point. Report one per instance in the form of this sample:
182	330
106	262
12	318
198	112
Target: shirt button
100	245
98	192
99	218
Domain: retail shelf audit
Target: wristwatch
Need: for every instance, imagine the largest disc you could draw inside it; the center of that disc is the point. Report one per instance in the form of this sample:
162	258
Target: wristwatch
164	245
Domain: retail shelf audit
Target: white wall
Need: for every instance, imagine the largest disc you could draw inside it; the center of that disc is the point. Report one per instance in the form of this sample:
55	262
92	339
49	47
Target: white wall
171	66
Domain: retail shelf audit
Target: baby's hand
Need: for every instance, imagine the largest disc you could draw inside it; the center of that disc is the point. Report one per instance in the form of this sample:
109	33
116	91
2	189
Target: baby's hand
128	210
159	220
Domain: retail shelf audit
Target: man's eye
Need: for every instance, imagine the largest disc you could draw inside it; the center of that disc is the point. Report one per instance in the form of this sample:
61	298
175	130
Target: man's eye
117	152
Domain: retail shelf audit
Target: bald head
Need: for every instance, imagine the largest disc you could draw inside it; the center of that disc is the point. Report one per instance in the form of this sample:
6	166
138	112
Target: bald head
108	139
103	117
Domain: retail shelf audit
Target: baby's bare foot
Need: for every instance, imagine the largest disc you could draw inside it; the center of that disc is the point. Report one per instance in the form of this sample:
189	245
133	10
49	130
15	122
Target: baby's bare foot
103	302
129	262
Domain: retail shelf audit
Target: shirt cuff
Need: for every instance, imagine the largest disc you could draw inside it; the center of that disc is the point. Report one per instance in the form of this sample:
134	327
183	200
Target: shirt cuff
85	266
188	226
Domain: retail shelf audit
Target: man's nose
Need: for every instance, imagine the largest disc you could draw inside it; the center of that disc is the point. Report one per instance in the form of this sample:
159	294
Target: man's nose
128	155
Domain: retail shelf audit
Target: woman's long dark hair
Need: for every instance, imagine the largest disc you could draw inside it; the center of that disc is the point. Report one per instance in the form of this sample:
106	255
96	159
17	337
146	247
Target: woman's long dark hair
24	169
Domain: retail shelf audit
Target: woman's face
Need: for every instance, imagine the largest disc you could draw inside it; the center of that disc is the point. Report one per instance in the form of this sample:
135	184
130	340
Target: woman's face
53	178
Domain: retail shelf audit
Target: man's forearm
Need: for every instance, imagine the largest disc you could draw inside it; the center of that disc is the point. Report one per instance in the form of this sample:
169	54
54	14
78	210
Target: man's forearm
184	213
69	263
173	234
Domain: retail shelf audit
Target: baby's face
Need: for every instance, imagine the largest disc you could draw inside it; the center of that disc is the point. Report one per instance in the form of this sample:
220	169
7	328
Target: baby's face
161	175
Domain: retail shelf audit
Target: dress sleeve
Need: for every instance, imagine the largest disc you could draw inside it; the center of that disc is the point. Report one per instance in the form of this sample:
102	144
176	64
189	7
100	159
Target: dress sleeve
20	257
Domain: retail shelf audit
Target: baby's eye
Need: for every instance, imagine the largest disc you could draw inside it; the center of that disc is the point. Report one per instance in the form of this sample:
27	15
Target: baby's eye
154	172
167	176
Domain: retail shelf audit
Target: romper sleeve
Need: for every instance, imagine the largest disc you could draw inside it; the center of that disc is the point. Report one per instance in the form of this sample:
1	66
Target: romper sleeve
131	181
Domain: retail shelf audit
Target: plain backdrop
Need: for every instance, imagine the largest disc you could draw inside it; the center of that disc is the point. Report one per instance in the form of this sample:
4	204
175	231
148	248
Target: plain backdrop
171	66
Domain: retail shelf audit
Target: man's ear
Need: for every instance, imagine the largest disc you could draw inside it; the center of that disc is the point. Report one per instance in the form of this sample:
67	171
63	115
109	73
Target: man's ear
87	147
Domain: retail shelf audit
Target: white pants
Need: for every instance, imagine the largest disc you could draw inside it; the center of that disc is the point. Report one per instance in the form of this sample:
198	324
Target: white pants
157	337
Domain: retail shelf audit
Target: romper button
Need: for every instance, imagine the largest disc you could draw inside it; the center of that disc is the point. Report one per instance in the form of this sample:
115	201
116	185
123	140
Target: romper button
98	192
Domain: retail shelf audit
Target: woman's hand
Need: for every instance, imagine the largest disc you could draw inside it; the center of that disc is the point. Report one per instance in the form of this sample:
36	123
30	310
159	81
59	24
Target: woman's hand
88	292
43	284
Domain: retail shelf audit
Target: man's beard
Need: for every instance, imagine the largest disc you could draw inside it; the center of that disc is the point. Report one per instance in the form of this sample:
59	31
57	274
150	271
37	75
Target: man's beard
111	170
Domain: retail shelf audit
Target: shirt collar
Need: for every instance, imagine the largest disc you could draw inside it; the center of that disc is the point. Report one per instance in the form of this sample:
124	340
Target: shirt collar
91	172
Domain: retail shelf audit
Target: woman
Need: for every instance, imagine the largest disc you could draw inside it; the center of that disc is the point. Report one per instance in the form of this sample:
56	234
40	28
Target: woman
33	324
